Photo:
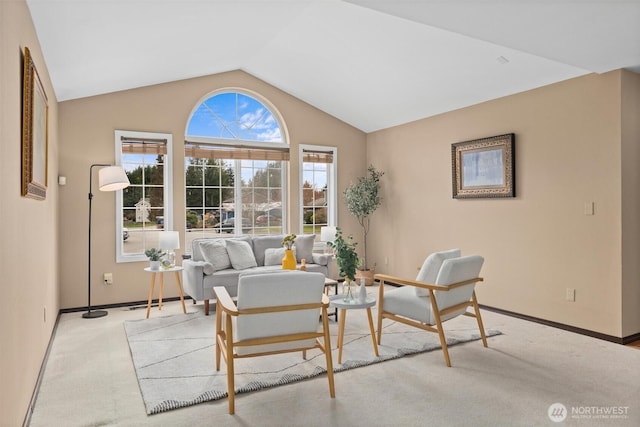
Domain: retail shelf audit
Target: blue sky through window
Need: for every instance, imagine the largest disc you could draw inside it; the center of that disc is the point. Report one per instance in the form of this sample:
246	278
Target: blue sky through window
234	116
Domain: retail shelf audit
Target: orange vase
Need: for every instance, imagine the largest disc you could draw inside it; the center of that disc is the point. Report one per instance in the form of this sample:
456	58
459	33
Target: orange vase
289	261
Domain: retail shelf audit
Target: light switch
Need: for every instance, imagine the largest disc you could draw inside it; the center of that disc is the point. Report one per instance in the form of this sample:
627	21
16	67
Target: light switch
589	208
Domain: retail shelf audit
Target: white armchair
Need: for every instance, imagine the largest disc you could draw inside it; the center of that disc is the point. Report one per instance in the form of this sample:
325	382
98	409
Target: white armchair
275	313
444	289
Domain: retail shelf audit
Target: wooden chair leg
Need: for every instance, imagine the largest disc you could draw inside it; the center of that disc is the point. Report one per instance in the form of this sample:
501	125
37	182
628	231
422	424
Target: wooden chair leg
443	343
206	307
218	339
479	318
380	307
327	352
436	315
231	391
231	385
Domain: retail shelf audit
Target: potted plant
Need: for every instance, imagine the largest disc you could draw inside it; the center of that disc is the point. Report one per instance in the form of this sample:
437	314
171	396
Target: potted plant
363	199
347	259
154	255
289	261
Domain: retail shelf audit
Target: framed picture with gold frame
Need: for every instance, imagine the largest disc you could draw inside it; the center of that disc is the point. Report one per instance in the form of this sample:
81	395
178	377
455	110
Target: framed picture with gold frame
484	168
34	132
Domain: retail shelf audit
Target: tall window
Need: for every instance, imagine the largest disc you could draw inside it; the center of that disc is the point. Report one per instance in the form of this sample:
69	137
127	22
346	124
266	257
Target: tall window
144	208
235	158
317	187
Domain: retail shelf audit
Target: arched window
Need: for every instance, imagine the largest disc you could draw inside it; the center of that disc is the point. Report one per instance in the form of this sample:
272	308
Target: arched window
235	164
234	116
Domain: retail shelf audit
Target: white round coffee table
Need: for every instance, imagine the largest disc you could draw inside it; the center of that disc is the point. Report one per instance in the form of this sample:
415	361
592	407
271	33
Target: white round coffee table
338	302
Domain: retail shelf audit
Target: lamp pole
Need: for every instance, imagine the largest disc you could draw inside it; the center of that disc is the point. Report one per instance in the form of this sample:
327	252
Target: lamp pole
98	313
111	178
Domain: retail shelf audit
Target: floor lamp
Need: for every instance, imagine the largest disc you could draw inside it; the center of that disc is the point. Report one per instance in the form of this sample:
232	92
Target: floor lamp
110	178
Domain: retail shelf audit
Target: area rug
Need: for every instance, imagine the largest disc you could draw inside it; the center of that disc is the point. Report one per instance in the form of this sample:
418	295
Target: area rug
174	356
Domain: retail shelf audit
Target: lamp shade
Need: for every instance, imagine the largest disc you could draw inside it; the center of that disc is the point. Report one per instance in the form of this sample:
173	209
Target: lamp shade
327	234
169	240
112	178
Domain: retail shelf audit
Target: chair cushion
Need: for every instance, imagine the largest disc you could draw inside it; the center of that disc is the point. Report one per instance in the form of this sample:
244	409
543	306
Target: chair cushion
240	254
404	302
453	271
215	253
431	267
304	247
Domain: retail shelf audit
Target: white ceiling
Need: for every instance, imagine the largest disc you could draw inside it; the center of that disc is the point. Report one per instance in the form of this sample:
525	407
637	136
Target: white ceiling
372	64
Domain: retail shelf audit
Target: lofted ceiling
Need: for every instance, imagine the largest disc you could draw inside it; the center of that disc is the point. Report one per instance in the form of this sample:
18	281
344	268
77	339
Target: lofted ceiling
372	64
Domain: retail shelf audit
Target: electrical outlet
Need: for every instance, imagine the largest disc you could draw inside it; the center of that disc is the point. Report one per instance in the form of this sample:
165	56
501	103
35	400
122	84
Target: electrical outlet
108	278
571	295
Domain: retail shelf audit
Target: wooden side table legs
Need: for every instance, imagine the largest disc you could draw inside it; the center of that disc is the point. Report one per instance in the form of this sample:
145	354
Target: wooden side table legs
179	282
341	322
373	334
160	290
153	281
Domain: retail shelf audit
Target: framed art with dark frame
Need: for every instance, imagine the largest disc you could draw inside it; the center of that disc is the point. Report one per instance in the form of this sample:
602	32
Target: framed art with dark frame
484	168
34	132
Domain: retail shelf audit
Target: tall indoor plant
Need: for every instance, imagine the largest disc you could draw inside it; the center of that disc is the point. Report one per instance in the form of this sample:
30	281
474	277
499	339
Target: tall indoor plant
363	199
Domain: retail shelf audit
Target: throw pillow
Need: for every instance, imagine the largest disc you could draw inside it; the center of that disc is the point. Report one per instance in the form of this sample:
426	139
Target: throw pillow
207	268
431	267
273	256
241	254
262	243
304	247
215	253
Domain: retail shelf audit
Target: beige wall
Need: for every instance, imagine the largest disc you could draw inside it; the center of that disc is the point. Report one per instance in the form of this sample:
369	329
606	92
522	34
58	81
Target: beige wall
28	247
87	131
568	153
630	89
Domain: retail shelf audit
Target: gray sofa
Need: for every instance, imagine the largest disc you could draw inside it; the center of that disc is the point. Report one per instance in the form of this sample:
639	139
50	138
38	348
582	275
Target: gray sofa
219	262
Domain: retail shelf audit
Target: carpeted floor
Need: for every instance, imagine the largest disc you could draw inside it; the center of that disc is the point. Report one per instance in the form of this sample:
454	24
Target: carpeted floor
89	380
173	357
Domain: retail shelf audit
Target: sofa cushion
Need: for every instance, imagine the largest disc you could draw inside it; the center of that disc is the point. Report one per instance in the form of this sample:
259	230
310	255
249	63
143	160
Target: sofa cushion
196	253
215	253
262	243
304	247
273	256
431	267
240	254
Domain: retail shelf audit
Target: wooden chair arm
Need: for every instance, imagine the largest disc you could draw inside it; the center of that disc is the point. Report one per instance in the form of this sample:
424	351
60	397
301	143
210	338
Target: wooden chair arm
225	301
401	281
325	300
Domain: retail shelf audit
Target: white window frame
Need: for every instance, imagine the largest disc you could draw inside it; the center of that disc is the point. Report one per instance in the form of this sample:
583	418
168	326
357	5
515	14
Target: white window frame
237	167
167	183
332	183
241	143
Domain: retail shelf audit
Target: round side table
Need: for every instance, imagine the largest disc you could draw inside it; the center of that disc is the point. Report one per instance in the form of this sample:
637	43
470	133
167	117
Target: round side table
338	302
176	270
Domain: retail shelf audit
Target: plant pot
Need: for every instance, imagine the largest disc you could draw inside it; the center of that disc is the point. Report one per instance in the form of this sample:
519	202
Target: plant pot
154	265
367	275
289	261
